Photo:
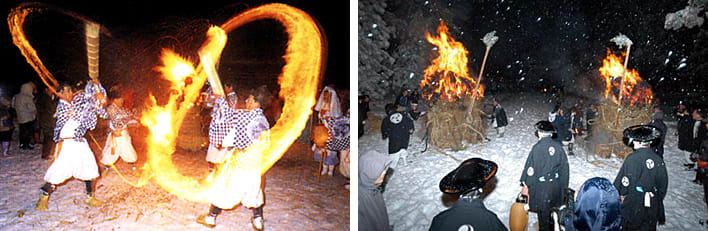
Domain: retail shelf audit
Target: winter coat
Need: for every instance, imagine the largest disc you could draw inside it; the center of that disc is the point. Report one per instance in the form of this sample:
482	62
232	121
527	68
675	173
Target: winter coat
642	171
500	116
467	212
23	103
659	148
562	124
5	116
700	133
575	124
363	116
546	174
597	207
397	127
685	132
403	101
372	208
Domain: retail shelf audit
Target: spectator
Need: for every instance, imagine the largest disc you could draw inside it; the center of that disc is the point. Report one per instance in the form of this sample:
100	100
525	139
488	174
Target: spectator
403	101
597	207
363	113
23	103
703	168
372	207
684	129
6	125
499	120
658	122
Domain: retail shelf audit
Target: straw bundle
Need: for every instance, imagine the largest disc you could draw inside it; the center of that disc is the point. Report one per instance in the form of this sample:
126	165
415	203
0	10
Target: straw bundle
605	127
452	124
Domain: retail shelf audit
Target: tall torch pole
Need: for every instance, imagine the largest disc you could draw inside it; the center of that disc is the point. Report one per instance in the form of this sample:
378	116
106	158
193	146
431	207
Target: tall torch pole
92	44
621	40
489	39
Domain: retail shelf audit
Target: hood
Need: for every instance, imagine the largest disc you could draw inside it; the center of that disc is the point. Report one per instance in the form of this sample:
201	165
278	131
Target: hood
27	89
551	116
371	165
597	206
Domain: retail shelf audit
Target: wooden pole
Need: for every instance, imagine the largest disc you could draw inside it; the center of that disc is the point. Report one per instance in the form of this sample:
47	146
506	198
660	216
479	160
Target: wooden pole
481	71
479	79
619	101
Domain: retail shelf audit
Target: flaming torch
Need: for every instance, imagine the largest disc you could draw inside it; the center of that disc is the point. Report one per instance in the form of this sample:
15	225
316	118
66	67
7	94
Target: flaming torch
448	83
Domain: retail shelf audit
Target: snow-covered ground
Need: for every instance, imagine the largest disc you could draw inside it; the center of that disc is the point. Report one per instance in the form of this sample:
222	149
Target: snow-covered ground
294	198
413	198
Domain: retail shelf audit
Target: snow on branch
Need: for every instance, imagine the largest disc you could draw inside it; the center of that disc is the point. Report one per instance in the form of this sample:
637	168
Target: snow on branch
490	39
690	16
621	40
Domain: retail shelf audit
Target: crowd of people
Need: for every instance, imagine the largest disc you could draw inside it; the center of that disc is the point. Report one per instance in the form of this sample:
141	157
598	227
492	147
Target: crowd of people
632	201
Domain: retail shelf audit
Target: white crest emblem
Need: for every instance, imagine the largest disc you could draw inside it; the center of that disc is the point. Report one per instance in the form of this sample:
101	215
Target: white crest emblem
529	171
551	150
650	163
625	181
396	118
466	227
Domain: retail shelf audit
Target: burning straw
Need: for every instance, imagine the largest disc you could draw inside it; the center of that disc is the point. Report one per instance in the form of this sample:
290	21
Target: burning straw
454	119
606	130
627	102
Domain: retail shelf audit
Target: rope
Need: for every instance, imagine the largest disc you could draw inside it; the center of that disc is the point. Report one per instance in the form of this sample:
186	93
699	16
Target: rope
141	181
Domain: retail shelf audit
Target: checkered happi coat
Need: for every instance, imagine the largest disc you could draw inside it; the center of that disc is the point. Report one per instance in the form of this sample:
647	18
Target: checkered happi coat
119	116
83	108
247	125
338	130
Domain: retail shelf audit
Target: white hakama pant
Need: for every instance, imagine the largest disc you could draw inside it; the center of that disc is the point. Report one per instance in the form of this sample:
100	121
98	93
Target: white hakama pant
239	181
118	144
74	158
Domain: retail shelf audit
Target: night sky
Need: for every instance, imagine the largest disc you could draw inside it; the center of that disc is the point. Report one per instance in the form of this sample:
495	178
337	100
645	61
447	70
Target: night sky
562	43
139	29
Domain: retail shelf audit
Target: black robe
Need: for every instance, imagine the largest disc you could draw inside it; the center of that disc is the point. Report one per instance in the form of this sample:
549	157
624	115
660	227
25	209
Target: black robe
500	116
642	171
685	132
397	127
363	116
659	148
546	174
467	212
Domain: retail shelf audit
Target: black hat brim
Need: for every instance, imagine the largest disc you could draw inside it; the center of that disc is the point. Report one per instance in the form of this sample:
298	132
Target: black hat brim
472	174
641	133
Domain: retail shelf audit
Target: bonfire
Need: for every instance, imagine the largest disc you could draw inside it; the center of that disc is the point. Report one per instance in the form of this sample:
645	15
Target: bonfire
628	101
454	118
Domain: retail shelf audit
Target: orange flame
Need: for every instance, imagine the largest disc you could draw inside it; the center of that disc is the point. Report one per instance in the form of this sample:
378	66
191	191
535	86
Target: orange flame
635	91
447	77
298	86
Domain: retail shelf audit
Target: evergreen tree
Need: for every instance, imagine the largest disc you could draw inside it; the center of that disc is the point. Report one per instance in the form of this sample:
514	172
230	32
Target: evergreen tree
375	63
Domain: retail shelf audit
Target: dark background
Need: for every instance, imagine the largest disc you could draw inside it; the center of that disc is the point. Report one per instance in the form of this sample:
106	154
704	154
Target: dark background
542	44
140	29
